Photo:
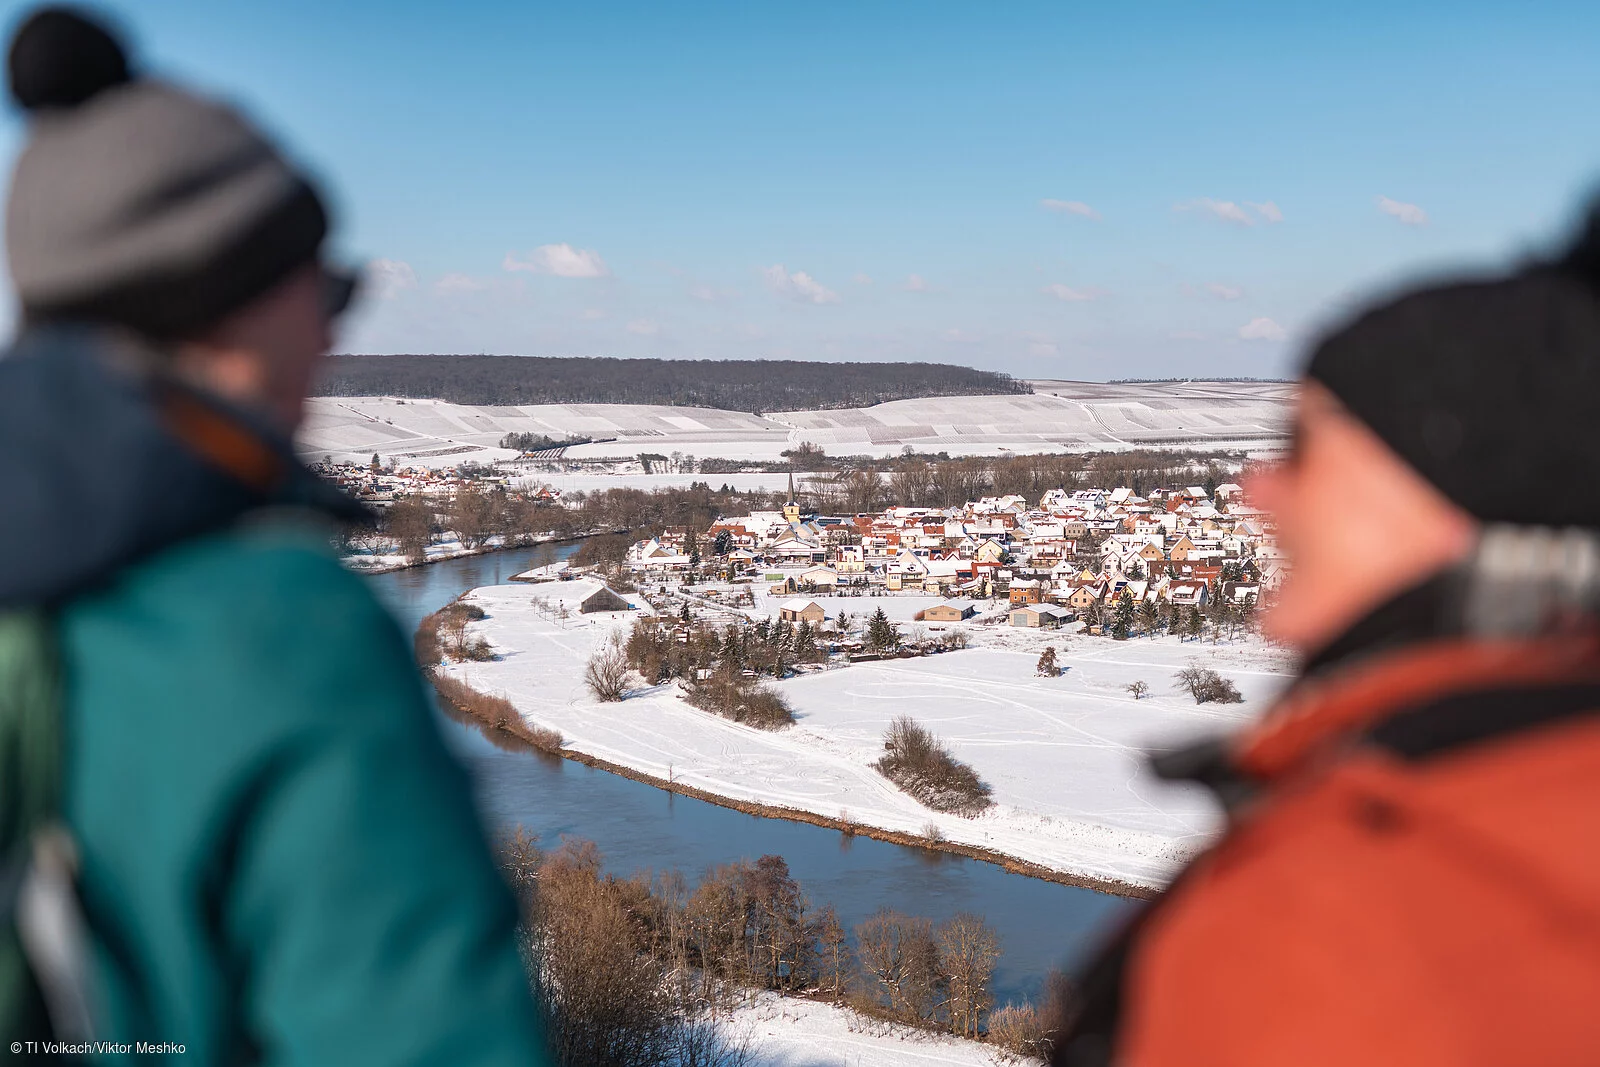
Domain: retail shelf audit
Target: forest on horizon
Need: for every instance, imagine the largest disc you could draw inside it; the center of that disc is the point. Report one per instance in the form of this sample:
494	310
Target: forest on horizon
734	385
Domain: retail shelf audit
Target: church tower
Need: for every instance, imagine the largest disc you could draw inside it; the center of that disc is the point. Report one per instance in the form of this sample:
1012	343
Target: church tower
791	510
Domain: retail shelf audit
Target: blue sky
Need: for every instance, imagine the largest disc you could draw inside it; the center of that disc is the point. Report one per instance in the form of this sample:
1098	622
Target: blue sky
1065	190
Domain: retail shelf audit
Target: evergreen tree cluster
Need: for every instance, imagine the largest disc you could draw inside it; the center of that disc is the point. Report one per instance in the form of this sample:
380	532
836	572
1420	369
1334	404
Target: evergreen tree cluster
735	384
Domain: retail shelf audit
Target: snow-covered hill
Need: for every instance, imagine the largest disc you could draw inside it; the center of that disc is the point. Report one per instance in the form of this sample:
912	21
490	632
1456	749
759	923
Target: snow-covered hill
1060	416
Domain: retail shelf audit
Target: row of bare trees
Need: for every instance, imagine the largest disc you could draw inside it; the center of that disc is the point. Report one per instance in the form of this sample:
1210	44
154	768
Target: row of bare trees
862	485
636	971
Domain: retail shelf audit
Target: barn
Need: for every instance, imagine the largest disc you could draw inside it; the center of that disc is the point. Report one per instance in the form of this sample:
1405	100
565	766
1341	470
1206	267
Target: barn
603	599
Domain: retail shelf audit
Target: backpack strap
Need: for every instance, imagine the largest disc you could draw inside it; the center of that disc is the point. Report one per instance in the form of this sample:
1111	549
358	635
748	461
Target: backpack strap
44	983
1464	719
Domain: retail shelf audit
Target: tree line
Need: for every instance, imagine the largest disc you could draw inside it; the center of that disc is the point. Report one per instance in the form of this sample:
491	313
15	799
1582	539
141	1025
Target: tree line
735	384
635	972
477	513
865	486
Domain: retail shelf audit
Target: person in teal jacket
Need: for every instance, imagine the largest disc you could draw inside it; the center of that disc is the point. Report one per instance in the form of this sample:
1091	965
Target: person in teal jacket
277	861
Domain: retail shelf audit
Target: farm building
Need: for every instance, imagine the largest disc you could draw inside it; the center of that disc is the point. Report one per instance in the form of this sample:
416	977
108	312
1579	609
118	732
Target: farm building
949	613
603	599
1040	616
801	611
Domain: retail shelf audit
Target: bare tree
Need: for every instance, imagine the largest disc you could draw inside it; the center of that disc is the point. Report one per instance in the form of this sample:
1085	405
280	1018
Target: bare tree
604	1001
898	954
834	963
1207	686
607	673
409	522
475	516
1138	689
969	948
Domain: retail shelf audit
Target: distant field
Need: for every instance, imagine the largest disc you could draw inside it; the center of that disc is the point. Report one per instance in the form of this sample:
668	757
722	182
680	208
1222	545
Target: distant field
1057	417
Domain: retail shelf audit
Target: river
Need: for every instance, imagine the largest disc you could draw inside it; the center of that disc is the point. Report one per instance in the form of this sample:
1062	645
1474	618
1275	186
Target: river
1041	924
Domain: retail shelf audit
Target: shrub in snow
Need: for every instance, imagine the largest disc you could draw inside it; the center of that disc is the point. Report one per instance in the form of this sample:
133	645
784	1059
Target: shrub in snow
1207	686
919	763
742	698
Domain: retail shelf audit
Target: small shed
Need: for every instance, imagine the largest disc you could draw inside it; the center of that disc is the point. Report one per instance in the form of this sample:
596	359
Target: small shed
949	612
603	599
1040	616
801	611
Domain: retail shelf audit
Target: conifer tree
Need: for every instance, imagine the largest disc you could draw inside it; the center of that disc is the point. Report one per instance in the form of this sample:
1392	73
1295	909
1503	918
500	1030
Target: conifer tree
1122	619
881	633
1047	667
1149	616
805	643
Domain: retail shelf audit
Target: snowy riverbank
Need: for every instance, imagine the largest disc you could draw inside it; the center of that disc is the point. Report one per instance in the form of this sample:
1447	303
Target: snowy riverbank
786	1032
1063	754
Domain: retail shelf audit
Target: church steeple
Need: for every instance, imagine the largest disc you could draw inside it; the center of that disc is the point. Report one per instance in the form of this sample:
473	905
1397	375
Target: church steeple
791	510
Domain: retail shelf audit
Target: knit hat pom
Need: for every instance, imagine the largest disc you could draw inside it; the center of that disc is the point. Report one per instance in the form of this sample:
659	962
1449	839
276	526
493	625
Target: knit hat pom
61	57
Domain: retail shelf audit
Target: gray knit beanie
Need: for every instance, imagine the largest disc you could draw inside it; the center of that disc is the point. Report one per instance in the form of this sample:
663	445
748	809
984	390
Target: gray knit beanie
137	202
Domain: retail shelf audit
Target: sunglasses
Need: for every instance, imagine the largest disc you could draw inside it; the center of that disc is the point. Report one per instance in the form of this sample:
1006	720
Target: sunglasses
339	288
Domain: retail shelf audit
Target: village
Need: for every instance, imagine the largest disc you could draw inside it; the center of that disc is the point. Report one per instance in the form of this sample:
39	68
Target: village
1111	561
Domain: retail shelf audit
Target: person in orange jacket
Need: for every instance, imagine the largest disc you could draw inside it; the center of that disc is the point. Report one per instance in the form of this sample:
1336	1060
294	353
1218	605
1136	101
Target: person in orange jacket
1411	873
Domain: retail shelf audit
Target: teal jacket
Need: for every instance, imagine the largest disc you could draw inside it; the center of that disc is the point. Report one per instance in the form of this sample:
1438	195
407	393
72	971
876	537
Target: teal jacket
280	863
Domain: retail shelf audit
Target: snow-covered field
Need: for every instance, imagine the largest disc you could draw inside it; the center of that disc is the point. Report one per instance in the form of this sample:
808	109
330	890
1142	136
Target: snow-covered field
784	1032
434	432
1063	754
1060	416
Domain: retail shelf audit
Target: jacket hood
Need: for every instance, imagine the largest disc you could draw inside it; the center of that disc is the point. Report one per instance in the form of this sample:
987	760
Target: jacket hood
104	460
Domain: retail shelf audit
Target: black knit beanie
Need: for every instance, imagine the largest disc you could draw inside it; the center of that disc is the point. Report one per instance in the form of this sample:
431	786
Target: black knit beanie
139	203
1489	389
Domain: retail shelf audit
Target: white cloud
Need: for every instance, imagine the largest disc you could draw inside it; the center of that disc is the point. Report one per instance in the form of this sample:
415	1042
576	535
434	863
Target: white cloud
1071	295
915	283
561	260
798	286
862	279
1229	211
711	294
1070	207
644	327
1226	210
1262	329
388	276
1224	292
1041	348
1410	214
1267	210
460	283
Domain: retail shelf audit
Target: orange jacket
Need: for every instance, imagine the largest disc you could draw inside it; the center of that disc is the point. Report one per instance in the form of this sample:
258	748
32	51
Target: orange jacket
1418	883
